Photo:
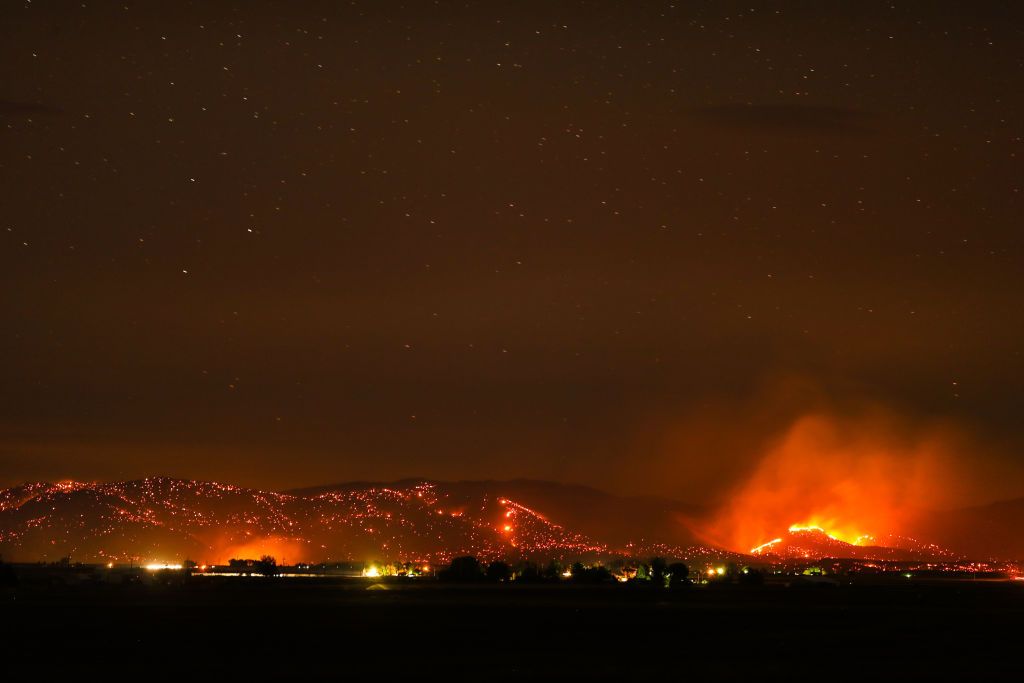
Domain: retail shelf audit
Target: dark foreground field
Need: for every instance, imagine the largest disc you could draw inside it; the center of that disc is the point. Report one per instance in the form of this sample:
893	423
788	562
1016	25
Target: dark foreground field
265	628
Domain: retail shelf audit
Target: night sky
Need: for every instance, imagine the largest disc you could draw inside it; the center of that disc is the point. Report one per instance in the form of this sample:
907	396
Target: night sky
618	244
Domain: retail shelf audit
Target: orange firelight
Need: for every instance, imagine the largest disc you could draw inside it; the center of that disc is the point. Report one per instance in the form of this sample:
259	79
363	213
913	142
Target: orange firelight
850	479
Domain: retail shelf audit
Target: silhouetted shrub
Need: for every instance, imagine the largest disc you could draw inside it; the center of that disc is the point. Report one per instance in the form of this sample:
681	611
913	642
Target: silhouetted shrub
462	569
749	576
499	571
267	566
528	572
582	574
678	575
658	574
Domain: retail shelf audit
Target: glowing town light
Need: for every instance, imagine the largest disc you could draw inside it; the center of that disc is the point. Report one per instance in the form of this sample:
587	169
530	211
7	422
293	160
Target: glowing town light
110	565
371	572
157	566
720	571
508	528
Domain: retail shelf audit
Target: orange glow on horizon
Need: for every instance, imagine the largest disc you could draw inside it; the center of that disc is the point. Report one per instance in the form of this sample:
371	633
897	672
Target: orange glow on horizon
282	549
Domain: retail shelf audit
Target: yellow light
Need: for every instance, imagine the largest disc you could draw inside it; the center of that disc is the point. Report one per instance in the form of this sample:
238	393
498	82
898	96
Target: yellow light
720	571
372	571
157	566
508	527
110	565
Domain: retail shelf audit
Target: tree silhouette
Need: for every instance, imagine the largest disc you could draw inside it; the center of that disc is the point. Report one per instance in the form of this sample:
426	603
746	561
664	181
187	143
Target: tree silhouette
583	574
678	574
267	566
528	572
659	575
463	569
499	571
749	576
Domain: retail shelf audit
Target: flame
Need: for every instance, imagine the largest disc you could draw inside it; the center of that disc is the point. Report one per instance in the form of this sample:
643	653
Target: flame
851	479
764	546
847	534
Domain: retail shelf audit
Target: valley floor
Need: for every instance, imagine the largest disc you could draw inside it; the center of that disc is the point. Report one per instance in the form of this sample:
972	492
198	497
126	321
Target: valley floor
269	628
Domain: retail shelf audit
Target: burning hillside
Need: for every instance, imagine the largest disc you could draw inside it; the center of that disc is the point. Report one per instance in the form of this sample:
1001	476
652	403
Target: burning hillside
162	519
857	479
811	542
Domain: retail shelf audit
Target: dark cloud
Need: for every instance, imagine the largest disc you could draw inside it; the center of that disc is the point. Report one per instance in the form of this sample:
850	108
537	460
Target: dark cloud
783	117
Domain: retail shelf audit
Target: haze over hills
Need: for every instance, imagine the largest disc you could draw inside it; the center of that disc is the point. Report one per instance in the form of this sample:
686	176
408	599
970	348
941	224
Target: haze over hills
996	529
616	520
163	519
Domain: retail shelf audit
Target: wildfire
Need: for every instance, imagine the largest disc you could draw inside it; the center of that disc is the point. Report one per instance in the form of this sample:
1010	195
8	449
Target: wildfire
837	534
761	548
849	479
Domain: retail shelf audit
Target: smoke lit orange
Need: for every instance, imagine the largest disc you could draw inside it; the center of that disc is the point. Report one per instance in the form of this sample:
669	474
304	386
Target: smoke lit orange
852	479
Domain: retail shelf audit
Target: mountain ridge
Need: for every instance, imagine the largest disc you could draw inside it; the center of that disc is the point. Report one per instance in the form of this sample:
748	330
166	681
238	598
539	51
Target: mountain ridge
364	518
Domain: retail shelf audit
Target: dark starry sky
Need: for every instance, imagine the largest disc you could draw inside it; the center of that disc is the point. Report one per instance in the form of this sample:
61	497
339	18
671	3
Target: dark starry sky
285	243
